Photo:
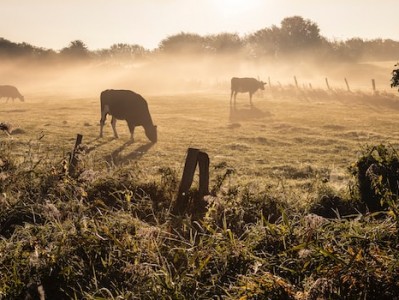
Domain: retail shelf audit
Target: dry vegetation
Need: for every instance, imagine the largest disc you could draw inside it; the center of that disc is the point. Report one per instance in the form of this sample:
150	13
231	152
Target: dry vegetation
106	232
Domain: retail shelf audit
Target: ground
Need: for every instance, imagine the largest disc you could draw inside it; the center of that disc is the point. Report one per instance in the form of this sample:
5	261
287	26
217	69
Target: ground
287	135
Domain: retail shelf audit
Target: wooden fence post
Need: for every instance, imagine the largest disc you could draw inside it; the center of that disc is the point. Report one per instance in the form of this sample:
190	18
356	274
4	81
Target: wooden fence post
270	83
296	82
347	85
73	160
328	86
194	157
203	163
373	84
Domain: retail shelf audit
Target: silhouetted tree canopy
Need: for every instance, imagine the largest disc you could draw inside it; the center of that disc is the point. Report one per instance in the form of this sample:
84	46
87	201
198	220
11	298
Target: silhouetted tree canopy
123	52
18	50
295	36
183	42
223	43
76	49
265	42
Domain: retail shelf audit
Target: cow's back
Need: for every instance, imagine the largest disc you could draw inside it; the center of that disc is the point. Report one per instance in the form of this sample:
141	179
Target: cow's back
9	91
245	84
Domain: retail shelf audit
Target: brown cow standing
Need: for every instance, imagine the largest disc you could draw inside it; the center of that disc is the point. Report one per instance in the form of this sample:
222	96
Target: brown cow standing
245	85
9	91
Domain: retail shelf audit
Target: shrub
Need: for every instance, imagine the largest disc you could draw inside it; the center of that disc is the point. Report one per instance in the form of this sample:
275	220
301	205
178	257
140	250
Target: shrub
377	173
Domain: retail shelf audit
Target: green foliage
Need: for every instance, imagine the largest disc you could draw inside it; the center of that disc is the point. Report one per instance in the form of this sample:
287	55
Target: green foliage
377	173
395	77
108	236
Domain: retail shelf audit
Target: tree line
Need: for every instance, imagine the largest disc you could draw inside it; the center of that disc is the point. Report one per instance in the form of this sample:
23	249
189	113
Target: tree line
295	36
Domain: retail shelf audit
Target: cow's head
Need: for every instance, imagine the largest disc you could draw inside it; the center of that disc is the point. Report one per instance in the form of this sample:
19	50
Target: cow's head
151	133
261	85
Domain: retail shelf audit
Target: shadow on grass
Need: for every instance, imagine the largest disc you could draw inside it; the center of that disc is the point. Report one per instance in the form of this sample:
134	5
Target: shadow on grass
244	114
96	146
117	159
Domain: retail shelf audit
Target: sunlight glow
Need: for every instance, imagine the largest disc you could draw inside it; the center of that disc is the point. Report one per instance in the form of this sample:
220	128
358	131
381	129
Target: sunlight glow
231	8
101	23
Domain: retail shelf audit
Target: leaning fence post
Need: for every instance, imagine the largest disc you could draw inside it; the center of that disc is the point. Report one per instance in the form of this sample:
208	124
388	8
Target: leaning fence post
328	86
194	157
296	82
373	84
347	85
73	160
203	162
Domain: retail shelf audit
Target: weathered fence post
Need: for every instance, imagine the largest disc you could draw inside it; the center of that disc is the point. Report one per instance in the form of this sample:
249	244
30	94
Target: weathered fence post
73	160
194	157
347	85
270	83
328	86
203	163
296	82
373	84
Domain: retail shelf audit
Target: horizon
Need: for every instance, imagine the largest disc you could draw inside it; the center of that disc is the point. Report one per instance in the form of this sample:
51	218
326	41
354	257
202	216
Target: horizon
155	20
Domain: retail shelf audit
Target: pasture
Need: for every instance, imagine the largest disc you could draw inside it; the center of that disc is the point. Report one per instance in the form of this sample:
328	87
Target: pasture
110	236
287	135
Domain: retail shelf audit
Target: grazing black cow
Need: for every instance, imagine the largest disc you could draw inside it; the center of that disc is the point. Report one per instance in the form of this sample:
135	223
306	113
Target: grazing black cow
129	106
9	91
245	85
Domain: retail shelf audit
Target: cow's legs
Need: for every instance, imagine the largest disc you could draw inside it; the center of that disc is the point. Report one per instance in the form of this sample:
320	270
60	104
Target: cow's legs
104	113
231	97
132	133
235	97
102	122
113	123
101	128
131	129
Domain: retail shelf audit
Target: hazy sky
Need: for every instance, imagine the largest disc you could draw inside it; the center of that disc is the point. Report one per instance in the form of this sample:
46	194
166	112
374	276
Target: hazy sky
101	23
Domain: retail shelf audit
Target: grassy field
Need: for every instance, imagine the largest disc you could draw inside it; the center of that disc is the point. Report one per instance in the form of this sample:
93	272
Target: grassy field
285	133
287	152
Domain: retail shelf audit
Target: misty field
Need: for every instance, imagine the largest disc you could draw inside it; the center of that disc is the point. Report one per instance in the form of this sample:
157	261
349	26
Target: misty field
106	233
285	134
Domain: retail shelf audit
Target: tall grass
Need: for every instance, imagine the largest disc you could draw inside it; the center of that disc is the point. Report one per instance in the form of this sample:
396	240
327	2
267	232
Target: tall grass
110	235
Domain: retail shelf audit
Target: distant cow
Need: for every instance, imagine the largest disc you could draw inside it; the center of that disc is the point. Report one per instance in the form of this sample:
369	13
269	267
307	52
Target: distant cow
129	106
245	85
9	91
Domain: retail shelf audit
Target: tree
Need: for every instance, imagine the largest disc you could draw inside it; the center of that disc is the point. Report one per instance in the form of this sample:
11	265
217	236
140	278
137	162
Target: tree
395	77
265	42
76	50
224	43
298	34
126	51
183	43
18	50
